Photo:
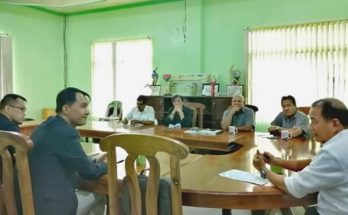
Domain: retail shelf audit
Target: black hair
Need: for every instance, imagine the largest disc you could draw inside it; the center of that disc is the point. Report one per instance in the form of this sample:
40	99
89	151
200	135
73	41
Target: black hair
332	108
289	97
10	99
142	99
177	96
68	97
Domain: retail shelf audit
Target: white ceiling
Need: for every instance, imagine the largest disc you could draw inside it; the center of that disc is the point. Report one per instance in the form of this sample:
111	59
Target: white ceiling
71	6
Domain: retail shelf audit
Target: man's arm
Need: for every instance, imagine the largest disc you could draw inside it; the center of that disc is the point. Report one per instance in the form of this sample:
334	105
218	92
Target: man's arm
276	124
227	118
249	122
277	180
69	150
301	125
293	165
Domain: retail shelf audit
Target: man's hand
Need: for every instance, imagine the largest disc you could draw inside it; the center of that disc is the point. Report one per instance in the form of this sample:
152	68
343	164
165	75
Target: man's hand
125	121
269	158
235	109
134	122
258	161
273	128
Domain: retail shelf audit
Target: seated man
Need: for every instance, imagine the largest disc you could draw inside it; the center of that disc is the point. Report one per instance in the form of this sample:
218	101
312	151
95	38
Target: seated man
12	114
327	172
141	114
238	115
290	119
57	157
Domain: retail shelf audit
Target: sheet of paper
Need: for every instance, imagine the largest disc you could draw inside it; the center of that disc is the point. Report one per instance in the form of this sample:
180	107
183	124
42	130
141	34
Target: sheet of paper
244	176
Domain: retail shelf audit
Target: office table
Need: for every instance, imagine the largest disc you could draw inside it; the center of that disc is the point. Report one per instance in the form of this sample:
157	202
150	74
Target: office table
221	142
201	184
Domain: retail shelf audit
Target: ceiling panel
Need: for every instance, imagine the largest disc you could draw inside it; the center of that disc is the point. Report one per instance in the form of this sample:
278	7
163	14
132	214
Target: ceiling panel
71	6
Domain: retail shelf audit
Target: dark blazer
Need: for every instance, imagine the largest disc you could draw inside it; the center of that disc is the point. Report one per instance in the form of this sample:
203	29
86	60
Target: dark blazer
185	122
56	158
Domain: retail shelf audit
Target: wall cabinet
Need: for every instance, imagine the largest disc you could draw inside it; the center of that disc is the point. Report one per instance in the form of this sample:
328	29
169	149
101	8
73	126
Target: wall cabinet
215	106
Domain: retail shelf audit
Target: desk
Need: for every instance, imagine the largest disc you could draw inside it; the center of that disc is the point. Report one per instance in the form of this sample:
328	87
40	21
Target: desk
222	142
201	184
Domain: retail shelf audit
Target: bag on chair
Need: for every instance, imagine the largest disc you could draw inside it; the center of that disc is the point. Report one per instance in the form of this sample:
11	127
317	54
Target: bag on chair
164	196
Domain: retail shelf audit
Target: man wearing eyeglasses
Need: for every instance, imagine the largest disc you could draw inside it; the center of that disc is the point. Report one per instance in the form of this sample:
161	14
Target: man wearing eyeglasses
12	112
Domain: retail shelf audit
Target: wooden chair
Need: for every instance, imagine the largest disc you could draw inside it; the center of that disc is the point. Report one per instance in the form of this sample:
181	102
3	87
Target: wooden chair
304	109
198	109
147	145
21	144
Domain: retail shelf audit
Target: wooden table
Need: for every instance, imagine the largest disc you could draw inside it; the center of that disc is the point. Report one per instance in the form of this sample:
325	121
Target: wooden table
201	184
222	142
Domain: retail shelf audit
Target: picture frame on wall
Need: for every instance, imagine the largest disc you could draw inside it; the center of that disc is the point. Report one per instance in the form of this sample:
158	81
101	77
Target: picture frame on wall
233	90
206	89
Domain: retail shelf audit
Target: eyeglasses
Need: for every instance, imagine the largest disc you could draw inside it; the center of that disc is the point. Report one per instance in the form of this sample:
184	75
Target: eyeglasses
23	109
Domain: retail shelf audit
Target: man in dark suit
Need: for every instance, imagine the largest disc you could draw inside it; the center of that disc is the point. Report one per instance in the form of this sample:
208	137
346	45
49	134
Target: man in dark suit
57	156
12	114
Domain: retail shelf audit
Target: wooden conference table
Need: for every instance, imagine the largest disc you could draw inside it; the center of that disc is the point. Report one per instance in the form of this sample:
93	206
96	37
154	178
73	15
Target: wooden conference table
201	184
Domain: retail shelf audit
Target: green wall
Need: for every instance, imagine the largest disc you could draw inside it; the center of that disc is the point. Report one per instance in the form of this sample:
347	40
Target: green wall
215	32
37	55
215	38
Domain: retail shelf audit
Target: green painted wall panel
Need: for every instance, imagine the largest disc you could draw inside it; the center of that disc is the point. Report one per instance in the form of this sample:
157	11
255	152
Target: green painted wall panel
215	38
37	55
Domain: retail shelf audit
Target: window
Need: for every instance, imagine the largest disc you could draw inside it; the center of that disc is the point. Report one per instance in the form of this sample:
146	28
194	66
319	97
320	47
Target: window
307	61
6	85
121	70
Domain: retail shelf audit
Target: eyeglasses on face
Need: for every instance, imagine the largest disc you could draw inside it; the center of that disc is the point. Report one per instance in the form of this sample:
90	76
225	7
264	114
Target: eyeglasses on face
23	109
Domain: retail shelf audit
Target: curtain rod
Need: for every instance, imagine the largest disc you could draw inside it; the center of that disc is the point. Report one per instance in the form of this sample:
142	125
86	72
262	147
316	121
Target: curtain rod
291	25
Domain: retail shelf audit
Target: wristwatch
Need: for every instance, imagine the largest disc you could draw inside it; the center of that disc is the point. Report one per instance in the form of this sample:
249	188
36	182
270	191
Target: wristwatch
263	173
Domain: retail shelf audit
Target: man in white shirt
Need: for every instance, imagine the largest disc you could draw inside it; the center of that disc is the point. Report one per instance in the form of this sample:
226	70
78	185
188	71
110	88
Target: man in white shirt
327	172
141	114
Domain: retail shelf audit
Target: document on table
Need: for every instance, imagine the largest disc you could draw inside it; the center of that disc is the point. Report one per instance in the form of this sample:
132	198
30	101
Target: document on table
208	132
244	176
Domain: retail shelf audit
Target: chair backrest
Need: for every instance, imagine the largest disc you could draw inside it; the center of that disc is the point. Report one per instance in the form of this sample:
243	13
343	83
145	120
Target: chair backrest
253	107
21	144
147	145
304	109
47	112
198	109
114	110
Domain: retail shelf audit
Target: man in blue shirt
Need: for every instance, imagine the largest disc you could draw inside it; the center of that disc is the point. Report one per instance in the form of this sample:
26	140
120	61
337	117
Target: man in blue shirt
290	119
238	115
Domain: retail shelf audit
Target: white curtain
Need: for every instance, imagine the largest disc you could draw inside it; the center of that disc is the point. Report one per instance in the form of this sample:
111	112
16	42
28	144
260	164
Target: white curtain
307	61
121	69
6	83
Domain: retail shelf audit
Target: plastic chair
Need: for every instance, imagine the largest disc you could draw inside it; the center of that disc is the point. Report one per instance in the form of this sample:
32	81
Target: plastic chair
22	144
114	110
148	146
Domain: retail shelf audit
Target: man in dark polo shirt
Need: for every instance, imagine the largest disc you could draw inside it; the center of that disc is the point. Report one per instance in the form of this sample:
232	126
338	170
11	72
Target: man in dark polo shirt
12	112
